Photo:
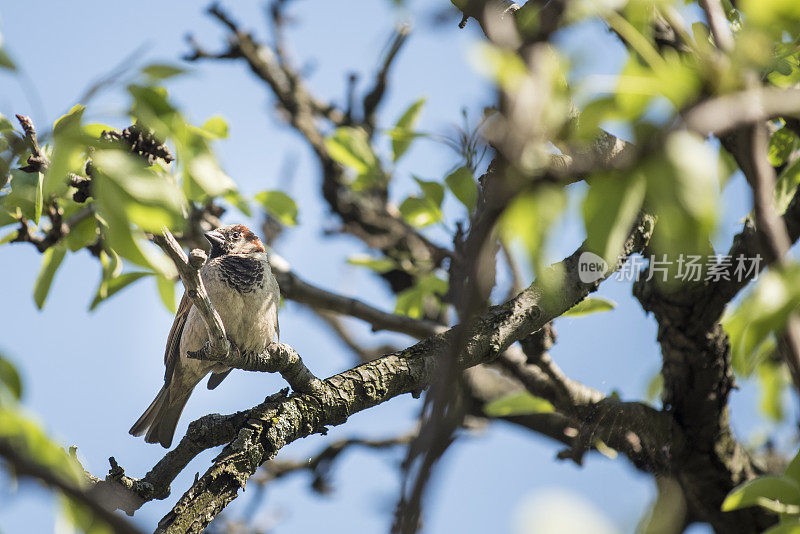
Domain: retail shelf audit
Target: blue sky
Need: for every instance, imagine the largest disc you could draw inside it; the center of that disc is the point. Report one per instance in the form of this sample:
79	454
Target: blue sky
88	376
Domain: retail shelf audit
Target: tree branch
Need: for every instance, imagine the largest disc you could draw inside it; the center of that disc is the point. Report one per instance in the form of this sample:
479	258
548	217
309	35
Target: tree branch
274	424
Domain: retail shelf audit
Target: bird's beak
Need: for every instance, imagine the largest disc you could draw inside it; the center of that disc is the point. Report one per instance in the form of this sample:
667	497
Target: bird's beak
215	238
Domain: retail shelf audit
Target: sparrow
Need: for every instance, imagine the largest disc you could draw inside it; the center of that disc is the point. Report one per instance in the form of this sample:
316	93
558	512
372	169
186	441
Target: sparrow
243	290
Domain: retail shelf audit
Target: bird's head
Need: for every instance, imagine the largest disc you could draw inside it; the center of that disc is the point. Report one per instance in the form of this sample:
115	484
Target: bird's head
234	239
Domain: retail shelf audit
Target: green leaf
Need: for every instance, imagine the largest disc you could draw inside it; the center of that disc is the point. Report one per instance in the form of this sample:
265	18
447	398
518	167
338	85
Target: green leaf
784	528
9	378
793	469
379	265
95	129
9	237
412	301
781	145
23	194
166	290
403	131
161	71
609	210
5	124
350	147
279	205
502	65
529	217
153	109
6	61
760	491
761	313
420	212
772	382
217	127
786	186
131	190
522	403
38	199
431	190
240	202
590	305
82	234
655	386
130	243
117	284
51	260
69	121
683	192
462	183
205	171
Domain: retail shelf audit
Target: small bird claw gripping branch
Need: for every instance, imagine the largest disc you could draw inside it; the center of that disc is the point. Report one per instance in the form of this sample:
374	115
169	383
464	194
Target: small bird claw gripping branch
278	357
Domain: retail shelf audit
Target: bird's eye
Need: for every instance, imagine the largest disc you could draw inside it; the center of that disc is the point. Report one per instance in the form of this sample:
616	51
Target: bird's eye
236	235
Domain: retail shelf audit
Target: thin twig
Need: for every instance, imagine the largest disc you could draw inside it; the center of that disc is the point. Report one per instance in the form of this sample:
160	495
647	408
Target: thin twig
776	237
720	28
23	466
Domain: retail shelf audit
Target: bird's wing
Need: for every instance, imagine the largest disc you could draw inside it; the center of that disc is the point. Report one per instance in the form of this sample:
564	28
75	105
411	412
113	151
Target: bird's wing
277	326
172	352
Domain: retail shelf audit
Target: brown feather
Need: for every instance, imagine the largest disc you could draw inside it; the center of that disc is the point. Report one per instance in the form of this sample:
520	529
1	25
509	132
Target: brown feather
172	351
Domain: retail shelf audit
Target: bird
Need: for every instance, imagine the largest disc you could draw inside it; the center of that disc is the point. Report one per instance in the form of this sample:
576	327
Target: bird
239	281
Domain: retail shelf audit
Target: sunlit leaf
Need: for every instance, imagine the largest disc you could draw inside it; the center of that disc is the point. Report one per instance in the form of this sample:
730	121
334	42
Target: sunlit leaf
431	190
529	217
756	492
683	191
413	301
209	176
23	194
69	121
117	284
761	313
279	205
784	528
781	145
9	378
420	212
462	183
350	147
147	198
161	71
403	131
51	260
379	265
786	186
38	199
217	127
83	234
792	470
590	305
5	61
166	290
655	386
772	383
522	403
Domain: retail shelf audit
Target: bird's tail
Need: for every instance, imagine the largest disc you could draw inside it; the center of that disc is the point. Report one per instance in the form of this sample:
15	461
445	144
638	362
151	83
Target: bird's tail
160	418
